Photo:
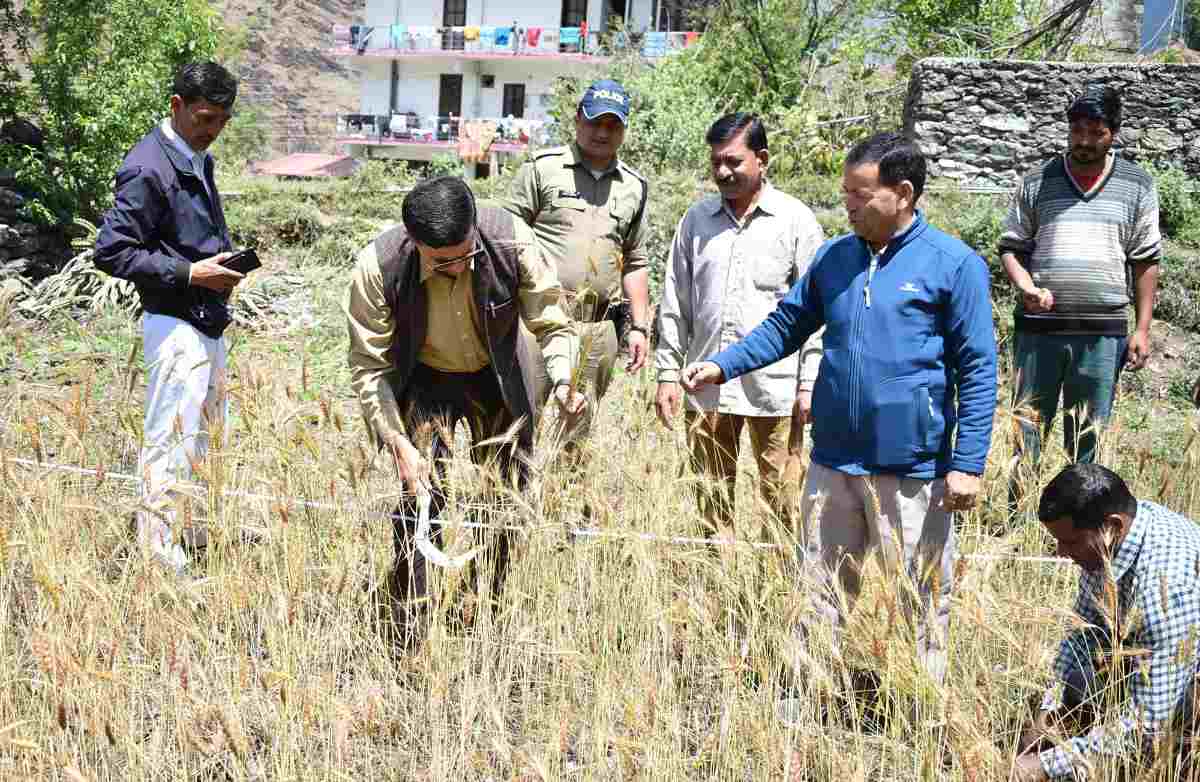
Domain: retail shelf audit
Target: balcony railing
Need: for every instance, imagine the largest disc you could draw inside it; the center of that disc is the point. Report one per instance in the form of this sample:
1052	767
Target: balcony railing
402	40
503	134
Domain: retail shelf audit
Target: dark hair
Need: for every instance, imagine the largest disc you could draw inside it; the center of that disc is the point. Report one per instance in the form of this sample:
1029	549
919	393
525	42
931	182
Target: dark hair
899	158
208	81
1097	101
1086	494
730	125
439	212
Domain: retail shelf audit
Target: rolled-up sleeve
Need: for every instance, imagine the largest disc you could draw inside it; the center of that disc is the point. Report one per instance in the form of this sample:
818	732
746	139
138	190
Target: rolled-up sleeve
371	326
541	306
125	241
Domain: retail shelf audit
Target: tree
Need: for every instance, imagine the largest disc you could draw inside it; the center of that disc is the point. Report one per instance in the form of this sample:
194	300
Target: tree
758	54
14	48
101	72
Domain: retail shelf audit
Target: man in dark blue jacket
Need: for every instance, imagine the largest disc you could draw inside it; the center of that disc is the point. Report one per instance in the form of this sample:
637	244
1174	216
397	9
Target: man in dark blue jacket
166	233
909	355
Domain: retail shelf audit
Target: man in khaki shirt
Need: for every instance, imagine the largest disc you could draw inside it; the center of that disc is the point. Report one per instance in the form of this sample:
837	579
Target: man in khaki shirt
433	309
588	210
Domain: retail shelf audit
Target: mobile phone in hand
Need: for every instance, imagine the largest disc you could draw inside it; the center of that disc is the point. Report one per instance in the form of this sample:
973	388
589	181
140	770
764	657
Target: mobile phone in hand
243	261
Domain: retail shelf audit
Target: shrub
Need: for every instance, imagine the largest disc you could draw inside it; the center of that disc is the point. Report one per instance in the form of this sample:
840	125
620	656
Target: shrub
1178	207
1178	300
268	221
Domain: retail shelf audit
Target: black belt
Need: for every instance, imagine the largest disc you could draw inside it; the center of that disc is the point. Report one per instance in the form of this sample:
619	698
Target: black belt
1108	327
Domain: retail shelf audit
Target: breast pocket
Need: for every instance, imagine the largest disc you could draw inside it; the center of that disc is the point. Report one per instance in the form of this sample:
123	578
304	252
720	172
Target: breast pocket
771	274
568	206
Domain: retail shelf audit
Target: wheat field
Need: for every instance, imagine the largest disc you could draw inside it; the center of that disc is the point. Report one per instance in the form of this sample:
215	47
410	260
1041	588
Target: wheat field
613	657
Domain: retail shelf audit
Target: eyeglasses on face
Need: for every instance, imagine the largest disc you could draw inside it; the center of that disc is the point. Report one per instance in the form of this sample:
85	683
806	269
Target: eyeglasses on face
439	265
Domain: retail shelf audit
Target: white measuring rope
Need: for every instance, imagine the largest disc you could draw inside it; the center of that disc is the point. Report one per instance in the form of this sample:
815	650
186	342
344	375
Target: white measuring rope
443	560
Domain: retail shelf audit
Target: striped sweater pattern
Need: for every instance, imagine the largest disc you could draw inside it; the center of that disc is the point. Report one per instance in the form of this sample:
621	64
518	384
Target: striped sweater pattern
1081	245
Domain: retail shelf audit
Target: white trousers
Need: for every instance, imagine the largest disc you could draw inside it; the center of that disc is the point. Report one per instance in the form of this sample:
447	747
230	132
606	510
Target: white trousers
185	400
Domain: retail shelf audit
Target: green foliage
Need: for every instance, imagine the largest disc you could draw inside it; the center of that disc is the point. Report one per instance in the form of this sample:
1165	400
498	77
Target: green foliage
273	221
1178	206
957	28
761	55
673	193
375	191
101	72
245	138
1178	299
320	222
39	180
446	164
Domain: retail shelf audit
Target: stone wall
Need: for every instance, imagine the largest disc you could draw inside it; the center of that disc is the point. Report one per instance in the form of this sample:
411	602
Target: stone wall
26	249
985	122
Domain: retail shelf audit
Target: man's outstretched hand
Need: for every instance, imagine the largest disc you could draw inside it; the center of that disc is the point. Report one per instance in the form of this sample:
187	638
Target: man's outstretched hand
703	373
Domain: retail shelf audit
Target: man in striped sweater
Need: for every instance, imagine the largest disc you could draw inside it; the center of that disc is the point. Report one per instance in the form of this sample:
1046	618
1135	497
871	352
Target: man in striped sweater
1079	232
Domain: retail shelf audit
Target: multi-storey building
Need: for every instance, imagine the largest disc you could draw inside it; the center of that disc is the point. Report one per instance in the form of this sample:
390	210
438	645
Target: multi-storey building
475	77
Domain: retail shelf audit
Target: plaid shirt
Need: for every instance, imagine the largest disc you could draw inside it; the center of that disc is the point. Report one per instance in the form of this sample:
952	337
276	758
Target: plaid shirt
1156	620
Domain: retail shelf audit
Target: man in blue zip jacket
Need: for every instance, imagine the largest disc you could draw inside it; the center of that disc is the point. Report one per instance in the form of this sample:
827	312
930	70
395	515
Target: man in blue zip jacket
909	354
166	233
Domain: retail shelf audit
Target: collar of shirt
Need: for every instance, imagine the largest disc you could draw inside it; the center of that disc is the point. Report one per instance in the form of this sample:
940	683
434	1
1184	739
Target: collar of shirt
899	234
577	160
428	271
1108	162
194	157
767	202
1131	545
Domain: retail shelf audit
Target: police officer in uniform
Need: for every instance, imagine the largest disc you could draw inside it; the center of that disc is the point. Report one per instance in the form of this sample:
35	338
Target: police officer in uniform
588	211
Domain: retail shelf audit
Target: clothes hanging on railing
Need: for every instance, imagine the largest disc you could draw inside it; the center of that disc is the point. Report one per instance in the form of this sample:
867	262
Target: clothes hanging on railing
399	36
532	36
654	44
487	38
504	36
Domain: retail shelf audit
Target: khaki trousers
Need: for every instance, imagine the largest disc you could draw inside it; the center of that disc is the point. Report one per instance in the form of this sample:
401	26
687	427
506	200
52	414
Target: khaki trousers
713	441
597	346
902	522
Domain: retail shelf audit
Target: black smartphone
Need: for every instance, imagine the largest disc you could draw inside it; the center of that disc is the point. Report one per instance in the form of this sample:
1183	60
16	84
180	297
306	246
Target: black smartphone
243	261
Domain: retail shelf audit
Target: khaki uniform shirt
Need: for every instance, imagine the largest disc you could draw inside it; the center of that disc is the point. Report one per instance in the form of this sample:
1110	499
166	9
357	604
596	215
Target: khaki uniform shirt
587	225
723	279
454	340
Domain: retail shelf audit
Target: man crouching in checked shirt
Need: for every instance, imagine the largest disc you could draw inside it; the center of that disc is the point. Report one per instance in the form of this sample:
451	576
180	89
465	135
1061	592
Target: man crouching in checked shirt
1139	595
433	307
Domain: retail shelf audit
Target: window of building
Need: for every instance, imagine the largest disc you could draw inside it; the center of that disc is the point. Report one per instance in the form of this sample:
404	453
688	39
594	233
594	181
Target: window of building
514	101
574	12
454	13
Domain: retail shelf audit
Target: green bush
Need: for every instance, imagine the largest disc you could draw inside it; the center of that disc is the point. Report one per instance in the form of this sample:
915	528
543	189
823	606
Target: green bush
338	246
979	223
1178	300
270	221
1178	206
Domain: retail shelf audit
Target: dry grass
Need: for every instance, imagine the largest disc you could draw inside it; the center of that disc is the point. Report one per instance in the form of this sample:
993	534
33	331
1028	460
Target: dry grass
611	659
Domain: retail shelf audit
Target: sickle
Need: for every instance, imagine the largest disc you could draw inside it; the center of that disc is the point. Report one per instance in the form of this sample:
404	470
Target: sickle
426	546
